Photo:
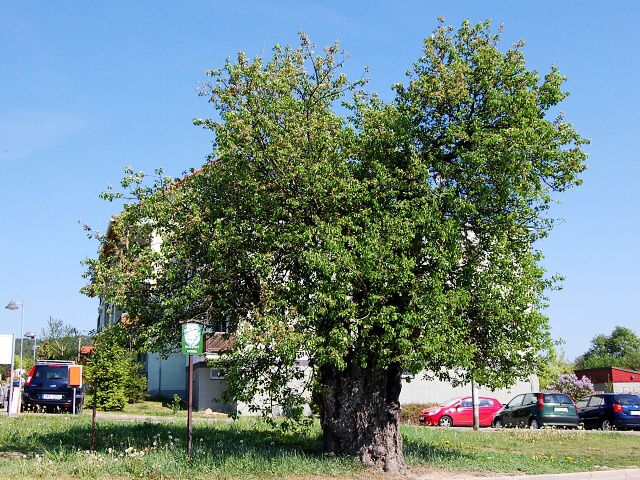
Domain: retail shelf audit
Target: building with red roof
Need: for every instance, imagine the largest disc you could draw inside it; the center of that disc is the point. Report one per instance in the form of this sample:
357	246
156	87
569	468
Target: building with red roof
612	379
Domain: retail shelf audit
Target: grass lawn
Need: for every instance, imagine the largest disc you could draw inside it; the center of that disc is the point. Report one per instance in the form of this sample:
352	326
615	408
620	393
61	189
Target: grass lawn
57	446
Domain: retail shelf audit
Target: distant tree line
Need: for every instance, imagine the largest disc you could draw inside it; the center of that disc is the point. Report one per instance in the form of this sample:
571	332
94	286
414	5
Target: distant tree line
619	349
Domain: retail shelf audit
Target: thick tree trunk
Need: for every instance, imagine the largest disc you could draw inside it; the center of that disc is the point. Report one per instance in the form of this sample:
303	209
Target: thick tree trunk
360	415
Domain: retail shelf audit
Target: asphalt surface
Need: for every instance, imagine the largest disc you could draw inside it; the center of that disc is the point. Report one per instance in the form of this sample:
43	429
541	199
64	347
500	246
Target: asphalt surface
626	474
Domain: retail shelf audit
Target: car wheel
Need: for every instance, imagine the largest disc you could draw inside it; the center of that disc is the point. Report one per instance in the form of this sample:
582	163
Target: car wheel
606	424
445	421
533	424
497	423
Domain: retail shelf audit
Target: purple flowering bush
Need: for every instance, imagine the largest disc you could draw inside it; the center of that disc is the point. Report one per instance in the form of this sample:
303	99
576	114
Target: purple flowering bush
572	386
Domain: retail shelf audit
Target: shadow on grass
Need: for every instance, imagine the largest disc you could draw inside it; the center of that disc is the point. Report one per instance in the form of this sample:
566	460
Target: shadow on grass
423	453
73	436
224	441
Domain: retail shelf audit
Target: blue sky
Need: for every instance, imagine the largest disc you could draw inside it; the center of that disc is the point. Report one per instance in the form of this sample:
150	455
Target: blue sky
87	88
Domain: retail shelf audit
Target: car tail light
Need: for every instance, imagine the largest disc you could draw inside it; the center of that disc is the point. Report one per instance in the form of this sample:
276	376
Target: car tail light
617	408
541	401
30	376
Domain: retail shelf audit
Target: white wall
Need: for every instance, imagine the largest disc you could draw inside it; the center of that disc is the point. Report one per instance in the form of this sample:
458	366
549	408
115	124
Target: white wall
168	376
420	390
207	392
632	388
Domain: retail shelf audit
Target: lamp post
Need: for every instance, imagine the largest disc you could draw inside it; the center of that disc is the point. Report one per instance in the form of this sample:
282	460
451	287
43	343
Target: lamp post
14	305
32	335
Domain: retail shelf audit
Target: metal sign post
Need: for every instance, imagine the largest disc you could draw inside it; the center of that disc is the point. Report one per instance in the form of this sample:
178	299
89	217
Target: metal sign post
191	345
474	399
10	338
190	408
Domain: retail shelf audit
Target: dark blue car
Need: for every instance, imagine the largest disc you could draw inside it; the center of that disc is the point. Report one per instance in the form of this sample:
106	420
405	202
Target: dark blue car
47	388
609	410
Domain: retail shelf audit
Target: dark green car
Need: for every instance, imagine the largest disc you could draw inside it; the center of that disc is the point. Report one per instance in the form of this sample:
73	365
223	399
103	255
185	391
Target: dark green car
535	410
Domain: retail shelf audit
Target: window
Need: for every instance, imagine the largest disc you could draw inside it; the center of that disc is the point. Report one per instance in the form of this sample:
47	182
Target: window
530	399
596	401
51	373
559	398
633	400
216	374
485	402
221	326
516	401
467	402
582	403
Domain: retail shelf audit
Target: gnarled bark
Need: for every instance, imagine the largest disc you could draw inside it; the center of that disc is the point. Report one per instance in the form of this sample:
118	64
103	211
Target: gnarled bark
360	415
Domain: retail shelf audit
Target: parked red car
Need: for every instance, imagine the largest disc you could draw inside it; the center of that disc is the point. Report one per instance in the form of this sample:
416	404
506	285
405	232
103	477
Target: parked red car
459	412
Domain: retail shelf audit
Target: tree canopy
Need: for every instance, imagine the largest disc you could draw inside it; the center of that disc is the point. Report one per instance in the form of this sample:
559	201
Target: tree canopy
58	341
370	238
619	349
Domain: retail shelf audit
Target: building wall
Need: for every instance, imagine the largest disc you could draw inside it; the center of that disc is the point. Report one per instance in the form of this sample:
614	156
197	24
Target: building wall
167	376
108	314
627	387
618	387
609	374
419	390
207	392
624	376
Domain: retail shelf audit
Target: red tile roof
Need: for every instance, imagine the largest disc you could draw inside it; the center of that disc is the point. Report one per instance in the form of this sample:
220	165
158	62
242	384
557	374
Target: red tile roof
219	342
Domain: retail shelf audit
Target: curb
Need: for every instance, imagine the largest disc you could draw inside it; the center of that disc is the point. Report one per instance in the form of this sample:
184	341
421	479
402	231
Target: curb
626	474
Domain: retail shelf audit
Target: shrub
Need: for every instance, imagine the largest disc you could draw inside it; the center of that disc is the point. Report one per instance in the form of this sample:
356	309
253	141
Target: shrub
113	373
410	412
106	373
176	404
136	381
572	386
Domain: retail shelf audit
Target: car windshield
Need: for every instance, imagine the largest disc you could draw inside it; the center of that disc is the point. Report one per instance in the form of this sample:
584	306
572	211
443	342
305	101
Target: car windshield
448	403
627	399
51	373
557	398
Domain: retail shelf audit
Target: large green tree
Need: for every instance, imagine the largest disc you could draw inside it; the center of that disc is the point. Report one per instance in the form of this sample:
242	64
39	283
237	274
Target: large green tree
368	238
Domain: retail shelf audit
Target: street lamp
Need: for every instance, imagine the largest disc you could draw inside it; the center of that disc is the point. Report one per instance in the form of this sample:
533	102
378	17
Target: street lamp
13	305
32	336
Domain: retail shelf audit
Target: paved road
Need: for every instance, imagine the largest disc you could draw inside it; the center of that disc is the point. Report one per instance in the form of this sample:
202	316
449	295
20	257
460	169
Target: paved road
626	474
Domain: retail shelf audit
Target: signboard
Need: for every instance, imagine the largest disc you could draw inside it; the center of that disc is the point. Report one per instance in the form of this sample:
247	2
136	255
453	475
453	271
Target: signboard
75	376
16	400
6	349
191	339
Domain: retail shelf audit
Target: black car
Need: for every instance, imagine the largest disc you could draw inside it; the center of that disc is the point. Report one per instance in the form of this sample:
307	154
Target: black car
47	388
609	410
536	410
